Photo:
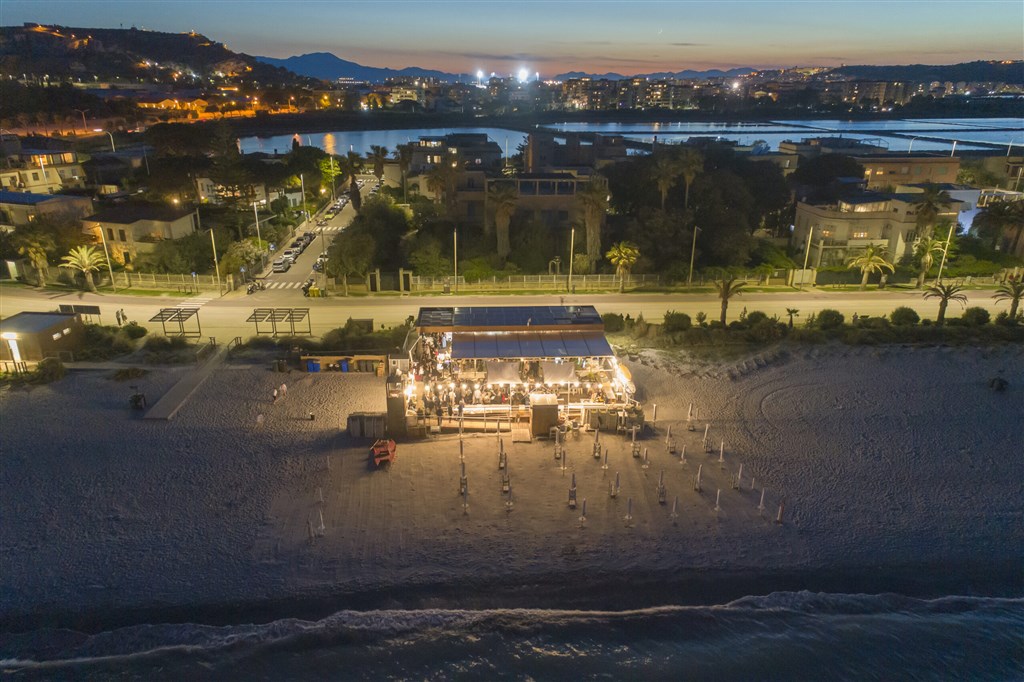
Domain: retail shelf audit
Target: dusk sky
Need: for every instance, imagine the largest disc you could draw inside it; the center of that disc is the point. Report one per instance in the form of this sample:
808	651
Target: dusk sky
595	36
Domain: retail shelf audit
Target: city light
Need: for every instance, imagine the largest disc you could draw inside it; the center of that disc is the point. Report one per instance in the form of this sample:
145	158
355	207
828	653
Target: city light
524	75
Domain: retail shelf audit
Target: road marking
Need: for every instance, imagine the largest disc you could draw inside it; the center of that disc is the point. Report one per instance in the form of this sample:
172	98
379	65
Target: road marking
195	302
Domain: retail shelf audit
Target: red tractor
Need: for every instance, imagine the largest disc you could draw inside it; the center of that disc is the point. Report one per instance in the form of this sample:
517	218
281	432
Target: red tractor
383	451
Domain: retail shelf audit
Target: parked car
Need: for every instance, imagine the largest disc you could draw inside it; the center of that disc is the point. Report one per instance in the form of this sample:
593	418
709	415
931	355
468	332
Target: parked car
309	236
298	246
282	264
290	255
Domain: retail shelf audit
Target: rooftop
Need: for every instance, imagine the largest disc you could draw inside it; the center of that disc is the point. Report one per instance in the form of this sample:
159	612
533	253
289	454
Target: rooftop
26	198
509	318
34	323
133	213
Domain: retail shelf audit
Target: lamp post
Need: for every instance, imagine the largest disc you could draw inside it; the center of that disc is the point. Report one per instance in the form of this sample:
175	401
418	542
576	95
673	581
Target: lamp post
216	263
305	211
83	112
945	251
109	134
693	254
911	147
106	253
455	257
572	248
259	239
807	255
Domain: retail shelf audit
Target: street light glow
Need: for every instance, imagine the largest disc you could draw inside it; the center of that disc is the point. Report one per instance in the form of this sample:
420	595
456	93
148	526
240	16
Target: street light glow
524	75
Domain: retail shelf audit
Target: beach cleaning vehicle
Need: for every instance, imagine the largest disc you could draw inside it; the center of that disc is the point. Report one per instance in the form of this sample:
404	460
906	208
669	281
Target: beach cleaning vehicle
383	451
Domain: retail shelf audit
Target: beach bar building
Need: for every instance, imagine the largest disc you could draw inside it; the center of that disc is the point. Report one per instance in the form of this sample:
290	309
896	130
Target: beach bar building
28	337
538	367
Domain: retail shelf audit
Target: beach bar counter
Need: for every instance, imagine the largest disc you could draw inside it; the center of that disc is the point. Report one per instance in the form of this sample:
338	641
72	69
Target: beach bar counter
540	367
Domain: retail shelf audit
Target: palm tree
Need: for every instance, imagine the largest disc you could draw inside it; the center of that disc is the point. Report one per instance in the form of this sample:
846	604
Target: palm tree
593	200
377	156
924	249
945	293
691	164
1012	292
436	180
350	166
403	154
872	260
792	312
996	219
665	172
34	246
623	256
503	196
928	206
727	288
84	259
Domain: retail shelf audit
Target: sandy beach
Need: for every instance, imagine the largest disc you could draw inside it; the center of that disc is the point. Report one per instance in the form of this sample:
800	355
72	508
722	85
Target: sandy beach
899	468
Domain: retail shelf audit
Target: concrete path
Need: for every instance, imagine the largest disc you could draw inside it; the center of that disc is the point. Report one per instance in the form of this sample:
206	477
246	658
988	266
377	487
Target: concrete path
171	402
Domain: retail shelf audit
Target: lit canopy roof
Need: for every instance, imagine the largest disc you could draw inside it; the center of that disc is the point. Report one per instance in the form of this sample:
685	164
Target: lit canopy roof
529	345
509	318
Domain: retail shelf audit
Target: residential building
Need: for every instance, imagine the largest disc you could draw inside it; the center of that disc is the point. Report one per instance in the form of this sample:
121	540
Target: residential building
21	208
475	150
886	171
42	171
131	229
544	153
845	227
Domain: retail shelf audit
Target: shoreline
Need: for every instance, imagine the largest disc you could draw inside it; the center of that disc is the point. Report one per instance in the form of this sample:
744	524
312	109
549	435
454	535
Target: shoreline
569	590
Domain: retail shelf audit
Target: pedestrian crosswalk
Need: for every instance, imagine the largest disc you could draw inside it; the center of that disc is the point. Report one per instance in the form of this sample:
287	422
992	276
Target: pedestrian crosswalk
196	301
283	285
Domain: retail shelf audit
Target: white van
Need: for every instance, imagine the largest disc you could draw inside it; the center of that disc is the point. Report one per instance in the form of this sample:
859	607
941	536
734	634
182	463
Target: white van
281	265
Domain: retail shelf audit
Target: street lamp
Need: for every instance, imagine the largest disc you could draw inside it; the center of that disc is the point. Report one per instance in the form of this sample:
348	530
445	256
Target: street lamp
216	263
259	239
109	134
83	112
305	211
911	147
106	253
455	257
945	252
693	254
807	255
572	257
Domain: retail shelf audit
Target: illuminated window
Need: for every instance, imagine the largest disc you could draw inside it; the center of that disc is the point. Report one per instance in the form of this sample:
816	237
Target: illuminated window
68	330
56	336
860	235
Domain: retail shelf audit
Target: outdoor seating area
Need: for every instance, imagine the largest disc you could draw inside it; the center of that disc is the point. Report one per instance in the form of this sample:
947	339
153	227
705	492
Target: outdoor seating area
468	366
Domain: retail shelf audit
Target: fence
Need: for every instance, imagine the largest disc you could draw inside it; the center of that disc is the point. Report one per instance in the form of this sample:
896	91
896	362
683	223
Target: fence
542	282
185	284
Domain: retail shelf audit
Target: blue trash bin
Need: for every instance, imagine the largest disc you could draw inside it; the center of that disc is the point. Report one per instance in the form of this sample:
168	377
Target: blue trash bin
344	365
312	365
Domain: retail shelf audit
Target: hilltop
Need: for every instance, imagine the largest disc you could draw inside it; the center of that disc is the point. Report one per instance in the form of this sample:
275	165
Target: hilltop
104	54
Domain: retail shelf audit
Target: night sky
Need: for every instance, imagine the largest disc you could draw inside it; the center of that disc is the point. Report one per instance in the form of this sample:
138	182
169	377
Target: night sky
553	37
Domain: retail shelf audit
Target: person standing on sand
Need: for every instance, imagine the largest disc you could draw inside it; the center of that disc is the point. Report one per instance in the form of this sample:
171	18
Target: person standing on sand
439	411
284	390
274	399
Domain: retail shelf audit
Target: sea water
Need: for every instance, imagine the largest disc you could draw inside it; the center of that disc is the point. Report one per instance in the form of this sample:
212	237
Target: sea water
779	636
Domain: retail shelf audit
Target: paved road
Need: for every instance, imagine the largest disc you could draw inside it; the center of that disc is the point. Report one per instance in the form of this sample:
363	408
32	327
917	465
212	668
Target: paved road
225	317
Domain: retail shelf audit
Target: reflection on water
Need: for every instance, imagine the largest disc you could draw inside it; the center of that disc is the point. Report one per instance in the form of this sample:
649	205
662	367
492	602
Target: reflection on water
896	135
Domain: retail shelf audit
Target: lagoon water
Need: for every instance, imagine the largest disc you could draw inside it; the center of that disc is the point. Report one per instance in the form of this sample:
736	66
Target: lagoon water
897	135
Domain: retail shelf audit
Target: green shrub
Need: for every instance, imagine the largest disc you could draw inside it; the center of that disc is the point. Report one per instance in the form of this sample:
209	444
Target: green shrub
157	343
641	327
129	373
755	317
976	317
676	322
613	322
829	319
49	369
765	331
807	335
904	316
134	331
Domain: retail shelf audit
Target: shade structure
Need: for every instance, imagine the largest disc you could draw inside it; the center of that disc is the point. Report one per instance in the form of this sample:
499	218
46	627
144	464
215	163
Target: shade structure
558	372
500	372
528	345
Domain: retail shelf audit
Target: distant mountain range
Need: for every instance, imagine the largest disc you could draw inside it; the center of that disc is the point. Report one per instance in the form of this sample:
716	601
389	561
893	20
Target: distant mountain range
327	66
